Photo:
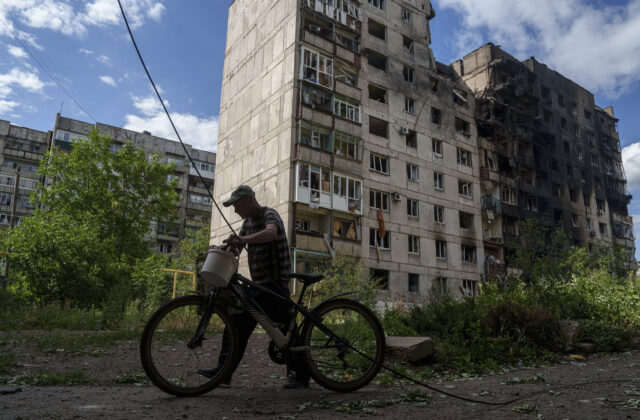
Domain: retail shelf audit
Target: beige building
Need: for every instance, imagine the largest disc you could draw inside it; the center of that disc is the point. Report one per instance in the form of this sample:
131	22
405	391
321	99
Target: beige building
194	208
337	114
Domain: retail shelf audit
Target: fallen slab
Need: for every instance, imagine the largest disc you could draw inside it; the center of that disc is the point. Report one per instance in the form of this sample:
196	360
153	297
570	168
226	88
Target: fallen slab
411	349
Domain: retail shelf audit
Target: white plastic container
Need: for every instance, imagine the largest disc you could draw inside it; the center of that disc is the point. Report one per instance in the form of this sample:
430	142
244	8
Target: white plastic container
219	267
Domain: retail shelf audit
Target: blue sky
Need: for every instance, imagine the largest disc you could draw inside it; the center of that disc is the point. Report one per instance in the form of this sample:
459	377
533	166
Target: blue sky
83	45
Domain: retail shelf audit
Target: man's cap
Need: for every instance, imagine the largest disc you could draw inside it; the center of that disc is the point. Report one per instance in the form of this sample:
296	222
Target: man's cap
238	193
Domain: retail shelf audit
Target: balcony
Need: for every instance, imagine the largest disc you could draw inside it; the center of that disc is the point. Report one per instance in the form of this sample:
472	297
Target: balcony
320	187
344	12
22	154
492	204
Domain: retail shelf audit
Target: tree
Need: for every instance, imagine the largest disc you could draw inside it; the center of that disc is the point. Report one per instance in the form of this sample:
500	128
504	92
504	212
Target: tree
88	235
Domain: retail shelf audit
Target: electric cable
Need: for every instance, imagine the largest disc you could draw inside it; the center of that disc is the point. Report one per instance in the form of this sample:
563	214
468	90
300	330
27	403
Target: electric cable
382	365
155	89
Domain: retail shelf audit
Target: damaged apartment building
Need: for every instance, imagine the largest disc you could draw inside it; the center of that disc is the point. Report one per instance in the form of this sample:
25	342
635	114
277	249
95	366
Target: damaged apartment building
339	117
546	152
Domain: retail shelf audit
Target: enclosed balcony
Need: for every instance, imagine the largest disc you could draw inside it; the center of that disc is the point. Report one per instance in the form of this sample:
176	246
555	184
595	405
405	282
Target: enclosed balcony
319	187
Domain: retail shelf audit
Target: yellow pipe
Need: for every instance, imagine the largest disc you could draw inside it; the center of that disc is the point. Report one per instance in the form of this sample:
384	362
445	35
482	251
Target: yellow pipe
175	278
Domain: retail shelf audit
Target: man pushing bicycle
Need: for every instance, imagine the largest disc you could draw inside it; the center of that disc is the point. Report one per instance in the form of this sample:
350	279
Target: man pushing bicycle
269	263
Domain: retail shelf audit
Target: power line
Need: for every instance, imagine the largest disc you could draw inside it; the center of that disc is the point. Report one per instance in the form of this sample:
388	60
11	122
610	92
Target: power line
135	45
44	68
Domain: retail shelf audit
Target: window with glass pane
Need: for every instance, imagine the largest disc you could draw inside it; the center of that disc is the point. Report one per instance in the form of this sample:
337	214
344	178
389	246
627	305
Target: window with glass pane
412	208
379	200
438	214
414	244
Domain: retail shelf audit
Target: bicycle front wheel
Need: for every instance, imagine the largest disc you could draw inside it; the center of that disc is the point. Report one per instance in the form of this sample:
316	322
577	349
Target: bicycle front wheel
347	351
172	353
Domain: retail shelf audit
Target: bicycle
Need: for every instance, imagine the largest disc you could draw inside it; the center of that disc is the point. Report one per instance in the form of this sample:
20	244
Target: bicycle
341	340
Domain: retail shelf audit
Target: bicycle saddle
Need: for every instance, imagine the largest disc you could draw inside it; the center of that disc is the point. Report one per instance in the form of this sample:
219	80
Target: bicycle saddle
305	278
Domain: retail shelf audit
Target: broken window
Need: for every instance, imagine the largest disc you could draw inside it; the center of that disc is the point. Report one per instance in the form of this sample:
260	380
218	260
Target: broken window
314	136
509	196
374	237
438	181
412	172
316	98
560	100
594	160
407	43
409	106
465	188
547	115
345	229
469	255
379	200
318	26
531	203
489	161
315	178
345	145
574	220
556	190
434	85
408	74
466	220
377	29
414	278
600	207
603	229
545	92
436	146
463	127
573	195
381	277
347	40
574	108
579	152
346	108
438	214
411	139
377	3
344	186
436	116
563	123
378	127
345	75
464	157
412	208
569	170
379	163
303	225
441	249
317	68
567	148
377	93
587	115
406	16
377	60
459	97
553	164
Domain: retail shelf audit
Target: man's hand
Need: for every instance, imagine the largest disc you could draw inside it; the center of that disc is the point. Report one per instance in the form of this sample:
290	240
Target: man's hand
233	242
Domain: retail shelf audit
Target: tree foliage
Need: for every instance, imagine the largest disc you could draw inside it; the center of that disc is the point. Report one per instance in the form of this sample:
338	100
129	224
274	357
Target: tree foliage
81	245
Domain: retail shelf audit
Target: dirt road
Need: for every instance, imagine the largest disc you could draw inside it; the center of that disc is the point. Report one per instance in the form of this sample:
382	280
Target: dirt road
112	386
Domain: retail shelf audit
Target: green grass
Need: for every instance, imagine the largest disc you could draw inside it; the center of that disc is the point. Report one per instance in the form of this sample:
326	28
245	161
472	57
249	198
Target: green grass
7	362
47	379
50	317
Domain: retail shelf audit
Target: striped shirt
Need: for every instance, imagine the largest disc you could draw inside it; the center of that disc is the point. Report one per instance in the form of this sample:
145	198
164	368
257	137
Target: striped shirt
271	259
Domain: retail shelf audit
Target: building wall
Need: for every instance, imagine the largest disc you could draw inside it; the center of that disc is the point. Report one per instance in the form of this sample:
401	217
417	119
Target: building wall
22	148
256	110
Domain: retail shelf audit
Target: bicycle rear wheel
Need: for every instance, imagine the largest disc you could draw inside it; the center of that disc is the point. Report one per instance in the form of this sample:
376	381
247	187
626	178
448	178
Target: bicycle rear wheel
172	354
351	354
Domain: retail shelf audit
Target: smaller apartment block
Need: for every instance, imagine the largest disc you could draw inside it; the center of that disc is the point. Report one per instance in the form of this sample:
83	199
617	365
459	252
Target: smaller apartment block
195	204
22	151
546	152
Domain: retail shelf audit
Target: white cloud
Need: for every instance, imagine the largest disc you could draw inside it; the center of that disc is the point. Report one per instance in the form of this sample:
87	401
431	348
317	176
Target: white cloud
107	12
85	51
201	133
103	59
108	80
631	163
597	45
25	79
156	11
16	51
7	106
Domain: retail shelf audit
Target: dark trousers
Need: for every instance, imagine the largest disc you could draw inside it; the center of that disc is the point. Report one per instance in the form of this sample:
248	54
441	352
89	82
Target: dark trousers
278	312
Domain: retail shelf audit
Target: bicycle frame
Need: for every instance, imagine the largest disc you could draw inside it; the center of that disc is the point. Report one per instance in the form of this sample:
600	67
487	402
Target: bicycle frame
283	341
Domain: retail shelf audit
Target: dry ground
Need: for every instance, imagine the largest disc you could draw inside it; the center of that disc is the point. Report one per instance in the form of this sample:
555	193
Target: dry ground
113	389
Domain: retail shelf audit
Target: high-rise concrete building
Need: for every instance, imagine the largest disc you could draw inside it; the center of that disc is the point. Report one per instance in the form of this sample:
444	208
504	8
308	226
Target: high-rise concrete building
22	151
194	209
546	152
337	114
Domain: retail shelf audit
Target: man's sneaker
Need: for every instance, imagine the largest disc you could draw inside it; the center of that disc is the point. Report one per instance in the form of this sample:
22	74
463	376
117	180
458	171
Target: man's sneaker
210	373
293	384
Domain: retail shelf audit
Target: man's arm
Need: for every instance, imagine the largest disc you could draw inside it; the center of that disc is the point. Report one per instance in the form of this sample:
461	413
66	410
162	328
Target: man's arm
268	234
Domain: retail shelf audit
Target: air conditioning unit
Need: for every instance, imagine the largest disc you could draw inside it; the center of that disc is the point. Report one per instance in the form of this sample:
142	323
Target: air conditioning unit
404	130
396	196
